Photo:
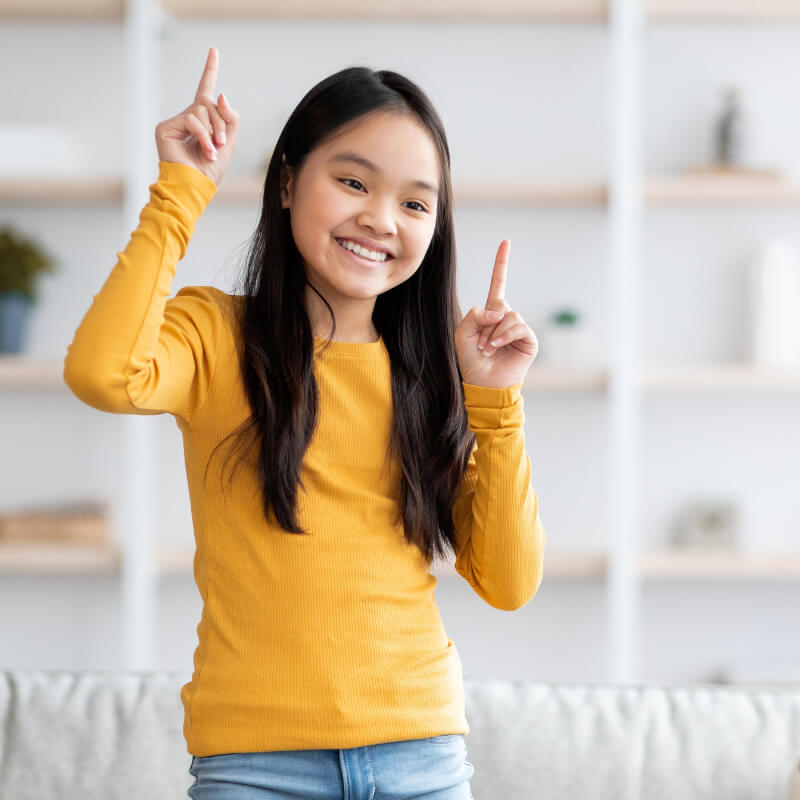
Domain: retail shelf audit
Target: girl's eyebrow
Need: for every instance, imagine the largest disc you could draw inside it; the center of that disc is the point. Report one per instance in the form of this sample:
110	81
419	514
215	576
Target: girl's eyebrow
357	159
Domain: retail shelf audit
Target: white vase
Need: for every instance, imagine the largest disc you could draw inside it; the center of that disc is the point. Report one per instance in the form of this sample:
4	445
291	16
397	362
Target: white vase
565	345
774	302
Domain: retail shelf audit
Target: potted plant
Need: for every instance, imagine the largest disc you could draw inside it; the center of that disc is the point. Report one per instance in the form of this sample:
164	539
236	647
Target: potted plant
564	339
21	262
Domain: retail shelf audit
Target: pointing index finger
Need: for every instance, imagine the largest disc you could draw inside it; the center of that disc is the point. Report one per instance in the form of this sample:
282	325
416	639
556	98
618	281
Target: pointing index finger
497	288
209	76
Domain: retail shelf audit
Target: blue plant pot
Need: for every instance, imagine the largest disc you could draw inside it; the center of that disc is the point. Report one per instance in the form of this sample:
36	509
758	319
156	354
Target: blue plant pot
14	313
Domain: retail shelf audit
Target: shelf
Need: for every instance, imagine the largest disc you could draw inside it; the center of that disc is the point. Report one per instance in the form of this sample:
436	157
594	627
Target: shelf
500	10
174	560
723	11
557	566
58	559
178	560
21	372
245	190
61	190
692	564
551	378
735	11
689	190
725	377
45	10
541	10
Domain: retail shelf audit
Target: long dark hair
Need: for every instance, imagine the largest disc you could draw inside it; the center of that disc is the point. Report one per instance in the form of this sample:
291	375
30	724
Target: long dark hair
416	320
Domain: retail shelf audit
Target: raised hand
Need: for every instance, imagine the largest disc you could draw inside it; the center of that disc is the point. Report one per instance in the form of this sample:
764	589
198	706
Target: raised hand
495	350
203	135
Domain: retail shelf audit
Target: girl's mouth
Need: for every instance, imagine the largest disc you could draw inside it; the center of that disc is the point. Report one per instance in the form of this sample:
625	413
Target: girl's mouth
361	259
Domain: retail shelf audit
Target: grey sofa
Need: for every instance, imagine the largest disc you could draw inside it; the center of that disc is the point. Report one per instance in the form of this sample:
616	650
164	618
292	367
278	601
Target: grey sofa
115	735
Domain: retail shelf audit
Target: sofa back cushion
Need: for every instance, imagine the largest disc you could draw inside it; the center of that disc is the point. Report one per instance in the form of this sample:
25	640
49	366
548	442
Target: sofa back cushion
119	735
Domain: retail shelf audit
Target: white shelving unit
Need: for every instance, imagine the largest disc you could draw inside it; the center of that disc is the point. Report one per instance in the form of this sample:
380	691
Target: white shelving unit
623	383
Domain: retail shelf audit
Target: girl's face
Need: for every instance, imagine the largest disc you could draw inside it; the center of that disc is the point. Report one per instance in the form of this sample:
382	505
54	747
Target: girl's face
374	187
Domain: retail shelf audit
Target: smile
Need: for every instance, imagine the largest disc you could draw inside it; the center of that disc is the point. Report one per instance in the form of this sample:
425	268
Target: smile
362	253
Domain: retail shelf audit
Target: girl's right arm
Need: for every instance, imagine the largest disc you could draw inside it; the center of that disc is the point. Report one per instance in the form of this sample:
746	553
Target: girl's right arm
135	351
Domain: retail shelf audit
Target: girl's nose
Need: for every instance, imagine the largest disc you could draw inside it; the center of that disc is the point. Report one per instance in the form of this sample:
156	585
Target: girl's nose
378	216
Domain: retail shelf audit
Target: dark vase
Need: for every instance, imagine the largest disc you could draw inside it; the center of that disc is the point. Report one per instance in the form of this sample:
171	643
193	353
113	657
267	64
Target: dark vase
14	310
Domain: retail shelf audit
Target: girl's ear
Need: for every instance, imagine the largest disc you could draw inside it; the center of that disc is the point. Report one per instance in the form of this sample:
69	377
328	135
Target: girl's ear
287	181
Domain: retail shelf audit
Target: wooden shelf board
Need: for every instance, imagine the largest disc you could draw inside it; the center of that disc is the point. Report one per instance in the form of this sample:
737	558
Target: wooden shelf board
677	563
23	372
539	193
57	558
558	566
722	11
679	190
247	190
45	10
64	189
546	377
176	559
746	377
578	11
542	10
567	10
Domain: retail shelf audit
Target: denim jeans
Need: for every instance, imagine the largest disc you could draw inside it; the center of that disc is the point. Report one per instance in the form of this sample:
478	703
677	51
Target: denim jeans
425	769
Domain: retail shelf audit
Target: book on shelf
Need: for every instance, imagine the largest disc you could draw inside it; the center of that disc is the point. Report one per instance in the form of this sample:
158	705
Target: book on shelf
83	524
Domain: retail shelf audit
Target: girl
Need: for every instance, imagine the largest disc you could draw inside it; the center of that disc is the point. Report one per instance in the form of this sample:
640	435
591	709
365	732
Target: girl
374	428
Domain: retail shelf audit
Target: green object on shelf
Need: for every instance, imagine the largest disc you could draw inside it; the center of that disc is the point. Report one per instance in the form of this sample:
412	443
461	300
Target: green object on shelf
565	316
21	261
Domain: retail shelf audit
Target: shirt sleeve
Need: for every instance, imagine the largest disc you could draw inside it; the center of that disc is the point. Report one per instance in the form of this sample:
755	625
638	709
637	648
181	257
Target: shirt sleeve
136	351
496	514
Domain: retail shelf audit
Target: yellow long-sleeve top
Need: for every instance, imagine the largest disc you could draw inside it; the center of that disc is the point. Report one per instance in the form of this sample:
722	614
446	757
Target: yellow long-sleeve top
327	640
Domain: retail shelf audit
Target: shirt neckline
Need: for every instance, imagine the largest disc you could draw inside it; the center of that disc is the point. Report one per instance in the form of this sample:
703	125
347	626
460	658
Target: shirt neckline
348	349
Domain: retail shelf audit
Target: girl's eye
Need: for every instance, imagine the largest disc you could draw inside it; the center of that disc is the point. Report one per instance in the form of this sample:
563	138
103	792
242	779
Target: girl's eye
349	181
358	186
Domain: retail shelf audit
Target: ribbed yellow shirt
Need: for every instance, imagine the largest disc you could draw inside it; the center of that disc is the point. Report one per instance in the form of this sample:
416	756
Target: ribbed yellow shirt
333	639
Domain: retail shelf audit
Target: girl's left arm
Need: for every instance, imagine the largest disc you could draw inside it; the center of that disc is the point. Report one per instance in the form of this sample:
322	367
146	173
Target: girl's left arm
496	515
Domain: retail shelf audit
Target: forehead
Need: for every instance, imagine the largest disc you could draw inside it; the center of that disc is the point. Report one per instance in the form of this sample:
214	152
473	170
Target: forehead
398	144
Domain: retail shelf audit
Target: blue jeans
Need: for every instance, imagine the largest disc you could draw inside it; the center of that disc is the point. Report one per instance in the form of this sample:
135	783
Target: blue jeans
431	769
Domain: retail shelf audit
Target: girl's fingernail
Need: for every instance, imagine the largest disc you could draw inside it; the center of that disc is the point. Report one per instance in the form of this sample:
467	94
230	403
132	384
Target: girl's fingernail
222	138
494	342
494	314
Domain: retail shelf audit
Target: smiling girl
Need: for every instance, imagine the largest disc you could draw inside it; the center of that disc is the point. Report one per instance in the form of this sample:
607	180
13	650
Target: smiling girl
373	427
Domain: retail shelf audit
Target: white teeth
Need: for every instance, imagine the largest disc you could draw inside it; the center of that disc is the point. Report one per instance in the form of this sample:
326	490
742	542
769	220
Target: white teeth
372	255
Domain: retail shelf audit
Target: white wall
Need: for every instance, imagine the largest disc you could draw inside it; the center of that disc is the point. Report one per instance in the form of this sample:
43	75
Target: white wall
519	101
